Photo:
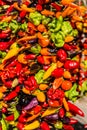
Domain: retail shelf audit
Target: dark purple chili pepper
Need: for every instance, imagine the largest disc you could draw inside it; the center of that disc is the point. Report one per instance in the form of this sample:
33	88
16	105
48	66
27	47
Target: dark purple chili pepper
32	104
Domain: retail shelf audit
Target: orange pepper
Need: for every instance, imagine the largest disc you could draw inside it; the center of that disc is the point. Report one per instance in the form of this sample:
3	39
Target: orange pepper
47	13
33	117
66	85
65	104
57	83
3	89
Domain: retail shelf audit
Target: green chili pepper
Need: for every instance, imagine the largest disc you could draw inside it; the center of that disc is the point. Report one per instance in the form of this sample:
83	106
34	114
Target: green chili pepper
39	76
36	49
35	17
66	27
72	93
58	125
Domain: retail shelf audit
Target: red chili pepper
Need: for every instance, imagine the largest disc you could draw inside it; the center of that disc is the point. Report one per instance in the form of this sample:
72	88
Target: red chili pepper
61	112
10	96
22	14
2	2
20	126
12	63
17	89
75	109
3	35
58	72
41	2
22	119
57	94
27	2
30	57
67	47
72	121
62	55
71	64
45	67
18	68
45	104
40	59
39	7
10	117
31	82
4	110
44	126
5	45
68	127
56	6
53	103
9	9
85	45
85	126
37	109
8	84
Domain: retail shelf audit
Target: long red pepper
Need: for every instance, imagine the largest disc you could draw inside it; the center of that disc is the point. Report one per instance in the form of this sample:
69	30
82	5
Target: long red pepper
10	117
56	6
5	45
75	109
12	94
30	57
44	126
3	35
9	9
72	121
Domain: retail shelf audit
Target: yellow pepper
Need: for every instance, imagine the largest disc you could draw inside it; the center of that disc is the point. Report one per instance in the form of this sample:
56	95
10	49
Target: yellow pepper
40	95
7	19
49	111
34	125
21	59
50	70
11	53
24	7
65	104
1	95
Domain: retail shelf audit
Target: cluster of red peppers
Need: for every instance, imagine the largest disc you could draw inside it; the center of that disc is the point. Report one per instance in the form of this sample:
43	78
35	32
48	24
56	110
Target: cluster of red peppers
36	77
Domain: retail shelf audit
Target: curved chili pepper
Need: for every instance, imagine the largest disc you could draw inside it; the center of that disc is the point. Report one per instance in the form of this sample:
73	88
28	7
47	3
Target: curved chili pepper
10	117
22	14
75	109
61	112
10	9
72	121
30	57
5	45
3	35
56	6
44	126
58	72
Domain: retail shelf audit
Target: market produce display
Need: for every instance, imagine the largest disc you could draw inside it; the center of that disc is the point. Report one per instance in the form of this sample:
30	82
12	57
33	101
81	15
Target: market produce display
43	63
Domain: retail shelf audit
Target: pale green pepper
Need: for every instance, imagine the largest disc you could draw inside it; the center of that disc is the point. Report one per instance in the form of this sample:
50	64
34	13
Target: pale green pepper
36	49
72	93
35	18
39	76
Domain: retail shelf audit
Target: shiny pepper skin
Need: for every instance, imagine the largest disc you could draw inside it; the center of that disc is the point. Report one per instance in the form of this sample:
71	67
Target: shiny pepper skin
61	113
57	94
44	126
62	55
58	72
71	64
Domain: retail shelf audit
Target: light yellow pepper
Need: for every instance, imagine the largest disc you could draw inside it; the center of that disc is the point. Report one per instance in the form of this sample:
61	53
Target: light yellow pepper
50	70
34	125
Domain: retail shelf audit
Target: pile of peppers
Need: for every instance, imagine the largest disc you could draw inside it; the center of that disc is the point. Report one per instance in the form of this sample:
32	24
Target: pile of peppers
43	63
